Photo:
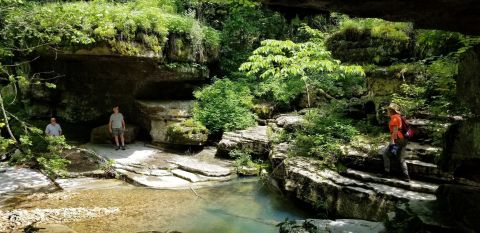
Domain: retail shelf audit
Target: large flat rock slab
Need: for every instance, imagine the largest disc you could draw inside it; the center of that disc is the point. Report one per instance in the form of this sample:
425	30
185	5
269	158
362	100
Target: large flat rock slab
15	179
197	166
145	165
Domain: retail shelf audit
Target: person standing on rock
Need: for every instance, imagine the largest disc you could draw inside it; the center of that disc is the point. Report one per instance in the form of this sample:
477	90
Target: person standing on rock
53	129
116	126
398	142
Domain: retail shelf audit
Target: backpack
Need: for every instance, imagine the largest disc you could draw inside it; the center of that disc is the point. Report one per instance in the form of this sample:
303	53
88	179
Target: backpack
406	130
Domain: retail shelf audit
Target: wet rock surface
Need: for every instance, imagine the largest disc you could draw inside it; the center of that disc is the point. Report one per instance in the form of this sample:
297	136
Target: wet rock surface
332	226
18	179
157	168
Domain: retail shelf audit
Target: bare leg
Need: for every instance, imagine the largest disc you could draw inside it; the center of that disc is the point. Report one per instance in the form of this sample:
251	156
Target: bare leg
123	139
116	140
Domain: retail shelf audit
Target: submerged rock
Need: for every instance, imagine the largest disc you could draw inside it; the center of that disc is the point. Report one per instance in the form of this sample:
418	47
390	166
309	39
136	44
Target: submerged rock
332	226
18	219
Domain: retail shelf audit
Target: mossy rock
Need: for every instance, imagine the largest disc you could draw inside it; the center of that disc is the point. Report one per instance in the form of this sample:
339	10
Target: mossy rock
189	133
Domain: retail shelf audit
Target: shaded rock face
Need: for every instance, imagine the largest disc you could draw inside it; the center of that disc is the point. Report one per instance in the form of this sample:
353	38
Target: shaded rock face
157	116
452	15
468	80
102	134
461	153
89	85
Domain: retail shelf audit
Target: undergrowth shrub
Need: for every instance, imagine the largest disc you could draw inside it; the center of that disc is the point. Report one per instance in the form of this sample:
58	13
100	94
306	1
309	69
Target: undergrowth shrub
224	106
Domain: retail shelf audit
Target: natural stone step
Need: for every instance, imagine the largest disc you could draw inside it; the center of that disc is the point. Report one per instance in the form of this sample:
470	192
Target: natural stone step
200	167
342	196
186	175
413	185
374	163
160	182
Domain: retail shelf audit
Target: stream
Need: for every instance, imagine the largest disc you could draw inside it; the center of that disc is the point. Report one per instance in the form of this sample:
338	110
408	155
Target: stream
243	205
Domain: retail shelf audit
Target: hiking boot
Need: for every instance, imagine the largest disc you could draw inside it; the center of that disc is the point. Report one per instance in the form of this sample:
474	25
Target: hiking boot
117	147
405	178
123	147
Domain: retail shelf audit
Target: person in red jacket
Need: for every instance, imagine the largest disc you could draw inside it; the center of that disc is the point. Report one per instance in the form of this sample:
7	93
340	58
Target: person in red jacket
398	142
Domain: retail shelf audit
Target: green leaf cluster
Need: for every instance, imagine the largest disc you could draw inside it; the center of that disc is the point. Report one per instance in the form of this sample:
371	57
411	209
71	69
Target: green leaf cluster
322	135
285	69
224	106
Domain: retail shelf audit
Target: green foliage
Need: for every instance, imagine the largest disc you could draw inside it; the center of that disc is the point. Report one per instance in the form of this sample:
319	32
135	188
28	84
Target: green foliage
44	151
224	106
378	28
243	158
322	135
129	28
284	70
243	30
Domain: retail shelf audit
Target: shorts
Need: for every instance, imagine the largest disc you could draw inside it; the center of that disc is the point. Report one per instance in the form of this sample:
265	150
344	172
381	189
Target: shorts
117	131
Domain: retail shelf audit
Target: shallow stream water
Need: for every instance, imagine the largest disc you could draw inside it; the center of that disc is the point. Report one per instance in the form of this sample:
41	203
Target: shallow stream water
243	205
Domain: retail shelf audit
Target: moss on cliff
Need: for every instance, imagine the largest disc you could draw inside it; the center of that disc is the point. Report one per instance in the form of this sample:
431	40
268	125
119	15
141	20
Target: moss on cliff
131	28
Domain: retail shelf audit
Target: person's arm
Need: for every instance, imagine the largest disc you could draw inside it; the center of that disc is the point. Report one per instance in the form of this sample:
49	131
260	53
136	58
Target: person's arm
60	129
110	125
47	131
394	135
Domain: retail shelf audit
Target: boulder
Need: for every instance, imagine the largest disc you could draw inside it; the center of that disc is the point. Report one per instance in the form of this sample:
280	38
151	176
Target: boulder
158	116
102	135
332	226
289	121
253	139
188	133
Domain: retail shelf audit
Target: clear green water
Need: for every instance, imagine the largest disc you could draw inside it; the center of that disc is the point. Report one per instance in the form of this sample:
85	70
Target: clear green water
241	206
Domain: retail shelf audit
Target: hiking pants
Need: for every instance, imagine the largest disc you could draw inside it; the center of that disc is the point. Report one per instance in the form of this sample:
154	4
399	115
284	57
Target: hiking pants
401	157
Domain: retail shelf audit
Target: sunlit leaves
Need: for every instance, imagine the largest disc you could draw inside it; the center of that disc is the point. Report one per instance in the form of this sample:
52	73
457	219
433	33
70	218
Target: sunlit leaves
286	69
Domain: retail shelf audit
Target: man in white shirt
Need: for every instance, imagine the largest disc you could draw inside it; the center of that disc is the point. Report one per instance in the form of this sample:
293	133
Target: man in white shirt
116	126
53	129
